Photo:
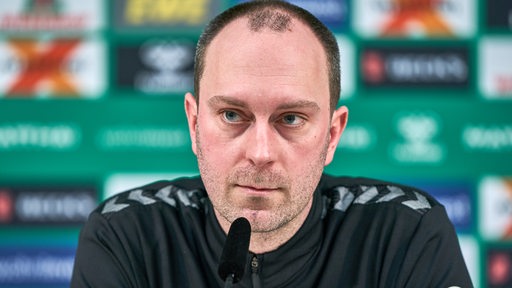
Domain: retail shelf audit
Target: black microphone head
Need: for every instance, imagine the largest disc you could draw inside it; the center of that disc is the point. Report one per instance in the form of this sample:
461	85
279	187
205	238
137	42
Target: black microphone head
234	254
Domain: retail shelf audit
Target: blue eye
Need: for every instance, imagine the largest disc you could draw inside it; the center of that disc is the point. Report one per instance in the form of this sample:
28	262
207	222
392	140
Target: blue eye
231	116
292	119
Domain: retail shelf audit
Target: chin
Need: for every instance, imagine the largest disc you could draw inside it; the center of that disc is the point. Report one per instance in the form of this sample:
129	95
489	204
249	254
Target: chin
261	221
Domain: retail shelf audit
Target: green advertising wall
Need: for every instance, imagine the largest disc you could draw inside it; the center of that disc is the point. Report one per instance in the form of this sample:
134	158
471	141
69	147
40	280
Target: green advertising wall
91	103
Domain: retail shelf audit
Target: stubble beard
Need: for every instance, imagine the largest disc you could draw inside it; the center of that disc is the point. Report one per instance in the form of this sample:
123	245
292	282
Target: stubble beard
219	188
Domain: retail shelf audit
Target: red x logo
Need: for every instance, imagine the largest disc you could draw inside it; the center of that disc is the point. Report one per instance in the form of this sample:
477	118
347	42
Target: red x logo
43	65
421	13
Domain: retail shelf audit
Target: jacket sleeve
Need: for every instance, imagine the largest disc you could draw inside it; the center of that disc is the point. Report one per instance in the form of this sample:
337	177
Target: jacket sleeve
434	258
100	260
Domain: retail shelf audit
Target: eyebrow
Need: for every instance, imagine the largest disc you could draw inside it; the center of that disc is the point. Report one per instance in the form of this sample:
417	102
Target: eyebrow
300	104
215	100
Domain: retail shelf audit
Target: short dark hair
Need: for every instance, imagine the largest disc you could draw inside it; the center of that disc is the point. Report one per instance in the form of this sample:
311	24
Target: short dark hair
276	15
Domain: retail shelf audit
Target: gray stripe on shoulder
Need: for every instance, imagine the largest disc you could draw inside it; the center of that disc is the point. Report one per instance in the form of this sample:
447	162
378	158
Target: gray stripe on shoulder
394	192
345	198
369	193
112	206
379	194
420	203
170	195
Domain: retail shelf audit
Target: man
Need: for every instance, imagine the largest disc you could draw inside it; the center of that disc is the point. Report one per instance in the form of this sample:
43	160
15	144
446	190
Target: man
263	124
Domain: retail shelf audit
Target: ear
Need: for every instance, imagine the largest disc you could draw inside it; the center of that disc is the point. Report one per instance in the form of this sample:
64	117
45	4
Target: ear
338	124
191	111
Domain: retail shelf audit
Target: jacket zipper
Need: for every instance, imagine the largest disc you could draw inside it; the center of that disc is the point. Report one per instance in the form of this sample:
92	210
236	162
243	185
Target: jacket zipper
255	275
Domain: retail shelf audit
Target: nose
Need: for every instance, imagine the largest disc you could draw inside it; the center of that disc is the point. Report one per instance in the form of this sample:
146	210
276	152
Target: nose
261	144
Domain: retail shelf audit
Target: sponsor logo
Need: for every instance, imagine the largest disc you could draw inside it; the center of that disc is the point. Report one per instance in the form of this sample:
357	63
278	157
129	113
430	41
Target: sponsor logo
156	67
487	137
358	137
373	67
495	198
150	138
418	132
495	70
415	67
60	67
41	267
55	136
169	14
498	14
499	267
47	206
404	18
6	206
333	13
50	15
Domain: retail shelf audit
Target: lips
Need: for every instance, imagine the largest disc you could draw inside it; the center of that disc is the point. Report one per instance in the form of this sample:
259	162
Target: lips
257	188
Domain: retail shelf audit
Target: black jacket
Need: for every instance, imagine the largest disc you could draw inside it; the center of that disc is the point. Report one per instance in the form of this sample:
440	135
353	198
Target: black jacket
359	233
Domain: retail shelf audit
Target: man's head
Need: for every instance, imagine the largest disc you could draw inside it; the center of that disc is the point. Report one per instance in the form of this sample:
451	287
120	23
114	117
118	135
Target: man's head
264	127
264	15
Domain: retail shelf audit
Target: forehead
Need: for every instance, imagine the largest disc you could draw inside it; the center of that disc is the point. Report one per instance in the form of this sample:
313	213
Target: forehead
287	58
240	34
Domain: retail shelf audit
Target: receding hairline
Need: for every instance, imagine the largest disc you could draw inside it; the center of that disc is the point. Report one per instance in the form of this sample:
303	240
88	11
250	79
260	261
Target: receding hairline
321	33
289	27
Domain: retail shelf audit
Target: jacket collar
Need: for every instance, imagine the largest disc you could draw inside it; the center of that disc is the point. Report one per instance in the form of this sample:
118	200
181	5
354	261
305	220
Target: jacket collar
286	262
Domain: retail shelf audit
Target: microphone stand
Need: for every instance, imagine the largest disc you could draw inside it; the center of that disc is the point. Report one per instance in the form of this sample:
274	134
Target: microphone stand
234	254
229	281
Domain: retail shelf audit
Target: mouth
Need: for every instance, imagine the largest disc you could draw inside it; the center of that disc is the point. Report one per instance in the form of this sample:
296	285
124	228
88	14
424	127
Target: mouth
257	189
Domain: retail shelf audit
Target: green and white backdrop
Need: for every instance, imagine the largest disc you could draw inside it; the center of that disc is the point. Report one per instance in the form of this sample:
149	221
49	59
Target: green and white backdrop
91	103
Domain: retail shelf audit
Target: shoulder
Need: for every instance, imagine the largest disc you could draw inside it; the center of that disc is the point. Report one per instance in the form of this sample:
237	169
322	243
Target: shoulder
344	192
182	193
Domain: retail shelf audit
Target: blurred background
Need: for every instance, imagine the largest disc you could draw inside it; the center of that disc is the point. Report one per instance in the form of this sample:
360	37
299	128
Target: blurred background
91	104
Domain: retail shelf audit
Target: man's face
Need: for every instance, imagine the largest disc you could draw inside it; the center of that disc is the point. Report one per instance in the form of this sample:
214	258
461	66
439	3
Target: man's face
262	132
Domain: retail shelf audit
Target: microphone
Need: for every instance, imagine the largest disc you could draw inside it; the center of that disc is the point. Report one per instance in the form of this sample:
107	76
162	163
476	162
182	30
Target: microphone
234	253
